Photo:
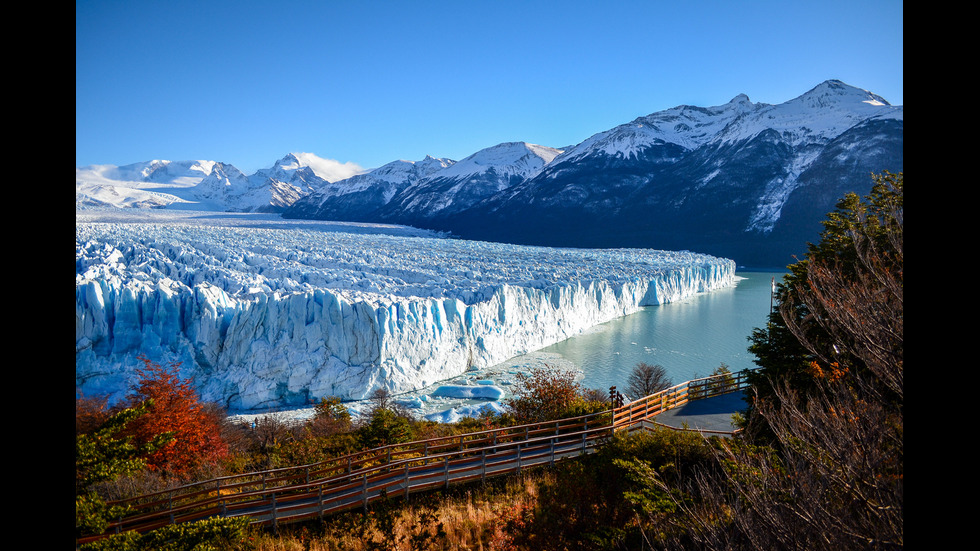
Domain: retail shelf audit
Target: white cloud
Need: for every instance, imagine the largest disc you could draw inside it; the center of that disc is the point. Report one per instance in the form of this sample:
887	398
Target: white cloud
329	169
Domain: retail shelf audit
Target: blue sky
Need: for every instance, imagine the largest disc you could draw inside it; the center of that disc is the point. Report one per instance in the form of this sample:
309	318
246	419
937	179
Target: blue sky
369	82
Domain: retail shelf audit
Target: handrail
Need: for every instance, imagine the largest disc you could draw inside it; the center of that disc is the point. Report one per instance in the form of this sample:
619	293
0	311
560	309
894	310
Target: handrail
365	457
354	480
677	395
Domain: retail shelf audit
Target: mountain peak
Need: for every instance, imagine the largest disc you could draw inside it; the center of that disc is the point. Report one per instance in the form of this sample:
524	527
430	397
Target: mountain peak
290	160
741	98
520	158
326	169
836	91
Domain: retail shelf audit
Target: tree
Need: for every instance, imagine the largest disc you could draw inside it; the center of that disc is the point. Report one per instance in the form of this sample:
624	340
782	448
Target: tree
381	398
387	422
829	472
547	393
842	303
173	408
385	427
646	379
849	310
330	417
102	454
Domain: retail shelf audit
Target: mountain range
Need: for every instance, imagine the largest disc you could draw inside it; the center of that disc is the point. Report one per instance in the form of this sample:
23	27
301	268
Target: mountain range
743	180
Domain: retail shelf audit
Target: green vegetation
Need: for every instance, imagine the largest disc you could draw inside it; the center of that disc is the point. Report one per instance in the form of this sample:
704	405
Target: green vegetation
206	535
102	455
818	466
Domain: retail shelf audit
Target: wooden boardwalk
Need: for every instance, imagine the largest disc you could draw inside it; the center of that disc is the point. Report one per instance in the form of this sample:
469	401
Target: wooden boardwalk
356	480
710	415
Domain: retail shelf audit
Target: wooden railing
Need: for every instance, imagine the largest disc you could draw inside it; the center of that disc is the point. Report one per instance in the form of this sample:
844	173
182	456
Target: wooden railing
650	406
298	493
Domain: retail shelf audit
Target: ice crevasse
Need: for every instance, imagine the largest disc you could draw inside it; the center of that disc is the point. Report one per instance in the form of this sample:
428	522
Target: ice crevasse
284	318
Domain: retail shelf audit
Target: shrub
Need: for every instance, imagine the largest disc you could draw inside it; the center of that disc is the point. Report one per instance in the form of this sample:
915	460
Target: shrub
210	534
546	394
104	454
596	501
385	427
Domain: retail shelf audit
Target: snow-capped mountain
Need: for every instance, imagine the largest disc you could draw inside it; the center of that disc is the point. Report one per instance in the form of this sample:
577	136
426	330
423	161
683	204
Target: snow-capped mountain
742	180
413	192
359	197
462	185
327	170
148	184
207	185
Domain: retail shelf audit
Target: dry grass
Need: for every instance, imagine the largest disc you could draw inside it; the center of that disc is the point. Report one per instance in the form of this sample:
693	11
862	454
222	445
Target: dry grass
472	519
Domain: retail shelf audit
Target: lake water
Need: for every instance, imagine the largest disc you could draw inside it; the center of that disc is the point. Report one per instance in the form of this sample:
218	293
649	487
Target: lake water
689	338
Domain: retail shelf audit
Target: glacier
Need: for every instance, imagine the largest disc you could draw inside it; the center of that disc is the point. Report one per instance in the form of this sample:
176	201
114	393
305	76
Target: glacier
262	312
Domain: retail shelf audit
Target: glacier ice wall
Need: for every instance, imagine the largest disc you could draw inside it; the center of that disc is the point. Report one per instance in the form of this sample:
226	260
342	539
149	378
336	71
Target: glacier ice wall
274	316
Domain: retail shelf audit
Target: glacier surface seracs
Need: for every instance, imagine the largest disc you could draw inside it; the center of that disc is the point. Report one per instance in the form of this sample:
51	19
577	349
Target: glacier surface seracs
262	312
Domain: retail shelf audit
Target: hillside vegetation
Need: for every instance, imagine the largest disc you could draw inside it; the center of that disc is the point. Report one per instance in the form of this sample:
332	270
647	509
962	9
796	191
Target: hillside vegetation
819	464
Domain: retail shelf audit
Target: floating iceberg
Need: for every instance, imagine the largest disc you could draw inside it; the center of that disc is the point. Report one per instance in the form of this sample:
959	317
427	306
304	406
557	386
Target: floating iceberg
283	313
453	415
481	392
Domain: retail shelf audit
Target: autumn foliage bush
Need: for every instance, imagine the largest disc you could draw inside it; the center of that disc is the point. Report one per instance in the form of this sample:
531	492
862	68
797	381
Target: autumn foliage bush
174	408
550	393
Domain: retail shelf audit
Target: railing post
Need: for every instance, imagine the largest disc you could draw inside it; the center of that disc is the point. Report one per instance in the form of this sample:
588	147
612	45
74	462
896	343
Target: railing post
407	485
364	493
170	506
275	519
447	472
319	499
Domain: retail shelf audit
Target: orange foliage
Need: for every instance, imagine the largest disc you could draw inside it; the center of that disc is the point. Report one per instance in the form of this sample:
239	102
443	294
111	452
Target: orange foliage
175	409
90	413
545	394
834	373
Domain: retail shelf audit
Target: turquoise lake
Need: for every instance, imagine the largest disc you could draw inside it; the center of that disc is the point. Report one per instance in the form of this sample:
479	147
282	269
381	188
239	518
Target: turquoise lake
689	338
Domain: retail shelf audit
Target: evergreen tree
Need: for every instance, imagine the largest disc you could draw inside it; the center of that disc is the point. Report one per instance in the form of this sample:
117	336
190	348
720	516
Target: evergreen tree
823	466
861	240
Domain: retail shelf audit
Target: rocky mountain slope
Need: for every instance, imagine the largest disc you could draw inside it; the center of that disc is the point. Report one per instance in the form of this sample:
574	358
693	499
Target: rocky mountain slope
742	180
